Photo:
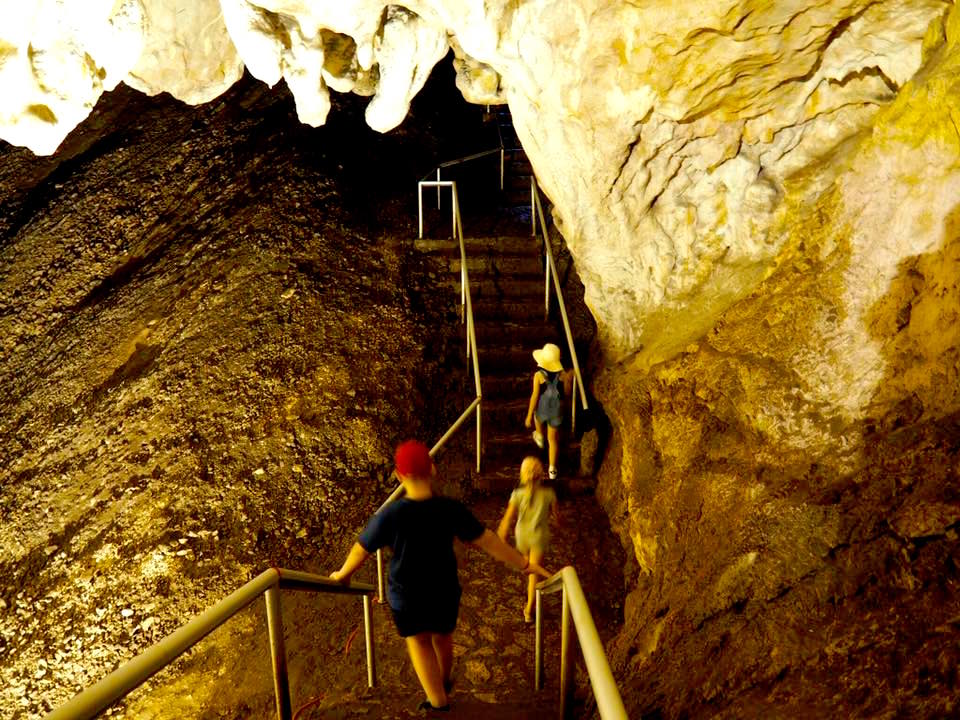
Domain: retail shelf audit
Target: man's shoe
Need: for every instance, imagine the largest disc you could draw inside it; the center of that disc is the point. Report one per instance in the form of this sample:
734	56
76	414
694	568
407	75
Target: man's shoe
538	438
552	472
426	707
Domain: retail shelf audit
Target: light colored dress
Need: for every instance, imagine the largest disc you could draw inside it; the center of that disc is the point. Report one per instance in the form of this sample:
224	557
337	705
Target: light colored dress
533	517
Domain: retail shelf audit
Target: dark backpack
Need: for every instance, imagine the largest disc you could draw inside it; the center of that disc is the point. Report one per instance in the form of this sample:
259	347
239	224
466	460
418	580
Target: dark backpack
551	397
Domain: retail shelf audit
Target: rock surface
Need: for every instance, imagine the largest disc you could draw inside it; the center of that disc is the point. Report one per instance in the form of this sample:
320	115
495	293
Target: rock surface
788	482
210	346
761	199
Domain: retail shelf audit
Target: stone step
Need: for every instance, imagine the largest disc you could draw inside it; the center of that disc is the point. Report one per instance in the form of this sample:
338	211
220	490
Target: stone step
514	385
503	245
507	331
487	307
526	266
503	360
505	415
491	288
518	177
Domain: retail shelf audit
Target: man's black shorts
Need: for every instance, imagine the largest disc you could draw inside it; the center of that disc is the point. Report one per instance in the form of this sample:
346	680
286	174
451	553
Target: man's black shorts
427	618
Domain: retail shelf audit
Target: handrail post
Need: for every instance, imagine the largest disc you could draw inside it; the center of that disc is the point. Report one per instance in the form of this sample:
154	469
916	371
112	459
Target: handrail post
478	436
278	652
438	188
533	215
380	576
501	168
552	269
546	289
538	644
420	211
573	414
368	642
566	657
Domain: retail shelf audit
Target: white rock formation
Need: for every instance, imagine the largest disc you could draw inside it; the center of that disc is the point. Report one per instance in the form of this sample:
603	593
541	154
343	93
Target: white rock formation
665	133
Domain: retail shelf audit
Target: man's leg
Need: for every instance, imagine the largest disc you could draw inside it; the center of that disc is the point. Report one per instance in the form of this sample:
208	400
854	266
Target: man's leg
443	647
428	671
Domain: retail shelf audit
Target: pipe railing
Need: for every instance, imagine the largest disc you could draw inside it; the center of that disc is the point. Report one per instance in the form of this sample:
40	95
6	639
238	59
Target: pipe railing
98	697
574	605
551	271
466	314
438	183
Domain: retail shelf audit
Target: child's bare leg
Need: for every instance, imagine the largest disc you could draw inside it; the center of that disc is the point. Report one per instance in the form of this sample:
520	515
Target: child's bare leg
553	440
443	647
425	664
536	556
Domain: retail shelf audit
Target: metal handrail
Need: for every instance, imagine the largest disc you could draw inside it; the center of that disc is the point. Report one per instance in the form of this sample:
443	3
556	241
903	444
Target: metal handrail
450	163
551	269
467	315
133	673
605	691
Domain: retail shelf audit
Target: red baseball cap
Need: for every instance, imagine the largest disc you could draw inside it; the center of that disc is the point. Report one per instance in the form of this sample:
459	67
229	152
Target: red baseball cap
413	459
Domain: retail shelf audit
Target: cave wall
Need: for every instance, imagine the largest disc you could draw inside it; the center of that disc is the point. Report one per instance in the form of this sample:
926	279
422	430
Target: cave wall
788	482
761	200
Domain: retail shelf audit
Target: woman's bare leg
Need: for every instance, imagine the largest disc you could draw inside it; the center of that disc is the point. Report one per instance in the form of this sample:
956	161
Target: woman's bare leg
553	440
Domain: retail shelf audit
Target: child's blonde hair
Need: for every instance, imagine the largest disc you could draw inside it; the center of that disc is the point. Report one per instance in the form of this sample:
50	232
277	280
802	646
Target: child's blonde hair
531	473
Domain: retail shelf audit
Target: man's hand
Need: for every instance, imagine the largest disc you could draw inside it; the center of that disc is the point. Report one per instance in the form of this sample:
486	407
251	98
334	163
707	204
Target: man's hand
340	576
528	422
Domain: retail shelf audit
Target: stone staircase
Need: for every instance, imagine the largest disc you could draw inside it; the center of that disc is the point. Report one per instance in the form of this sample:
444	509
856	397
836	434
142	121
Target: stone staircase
493	668
507	289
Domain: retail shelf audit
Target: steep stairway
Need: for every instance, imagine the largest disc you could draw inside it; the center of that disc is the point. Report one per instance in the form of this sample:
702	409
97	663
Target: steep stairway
507	289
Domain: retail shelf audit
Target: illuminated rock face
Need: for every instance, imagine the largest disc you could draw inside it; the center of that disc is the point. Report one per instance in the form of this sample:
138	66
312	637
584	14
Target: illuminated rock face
665	134
762	201
788	481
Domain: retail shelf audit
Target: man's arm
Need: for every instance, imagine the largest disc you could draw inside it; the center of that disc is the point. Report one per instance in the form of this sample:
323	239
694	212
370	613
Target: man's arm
355	559
498	549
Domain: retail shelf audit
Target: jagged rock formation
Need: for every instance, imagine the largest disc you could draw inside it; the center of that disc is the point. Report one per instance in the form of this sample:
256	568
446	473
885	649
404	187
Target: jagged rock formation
761	199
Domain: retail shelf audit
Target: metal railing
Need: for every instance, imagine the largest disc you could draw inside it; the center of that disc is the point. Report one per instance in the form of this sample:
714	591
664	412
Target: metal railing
574	604
551	272
96	698
438	183
466	302
466	315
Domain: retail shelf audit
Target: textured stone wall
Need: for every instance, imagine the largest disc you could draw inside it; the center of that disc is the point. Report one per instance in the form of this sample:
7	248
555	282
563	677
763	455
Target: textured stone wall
788	482
762	201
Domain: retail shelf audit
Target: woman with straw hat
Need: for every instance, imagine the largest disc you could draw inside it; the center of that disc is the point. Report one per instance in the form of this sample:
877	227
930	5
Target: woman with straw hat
546	401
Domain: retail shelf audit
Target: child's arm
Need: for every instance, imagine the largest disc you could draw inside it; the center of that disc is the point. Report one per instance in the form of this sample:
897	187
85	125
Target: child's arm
498	549
533	399
508	517
355	559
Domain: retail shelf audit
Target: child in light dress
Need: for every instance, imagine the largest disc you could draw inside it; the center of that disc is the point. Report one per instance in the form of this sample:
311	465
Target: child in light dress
532	505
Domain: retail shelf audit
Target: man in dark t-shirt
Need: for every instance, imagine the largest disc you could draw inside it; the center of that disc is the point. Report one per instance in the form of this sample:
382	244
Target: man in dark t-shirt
423	589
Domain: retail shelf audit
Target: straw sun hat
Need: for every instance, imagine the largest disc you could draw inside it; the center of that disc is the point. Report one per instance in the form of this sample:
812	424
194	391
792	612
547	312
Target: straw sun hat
548	357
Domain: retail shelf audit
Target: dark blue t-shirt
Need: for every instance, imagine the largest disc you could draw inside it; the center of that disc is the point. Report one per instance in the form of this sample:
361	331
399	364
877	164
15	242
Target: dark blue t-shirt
423	570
